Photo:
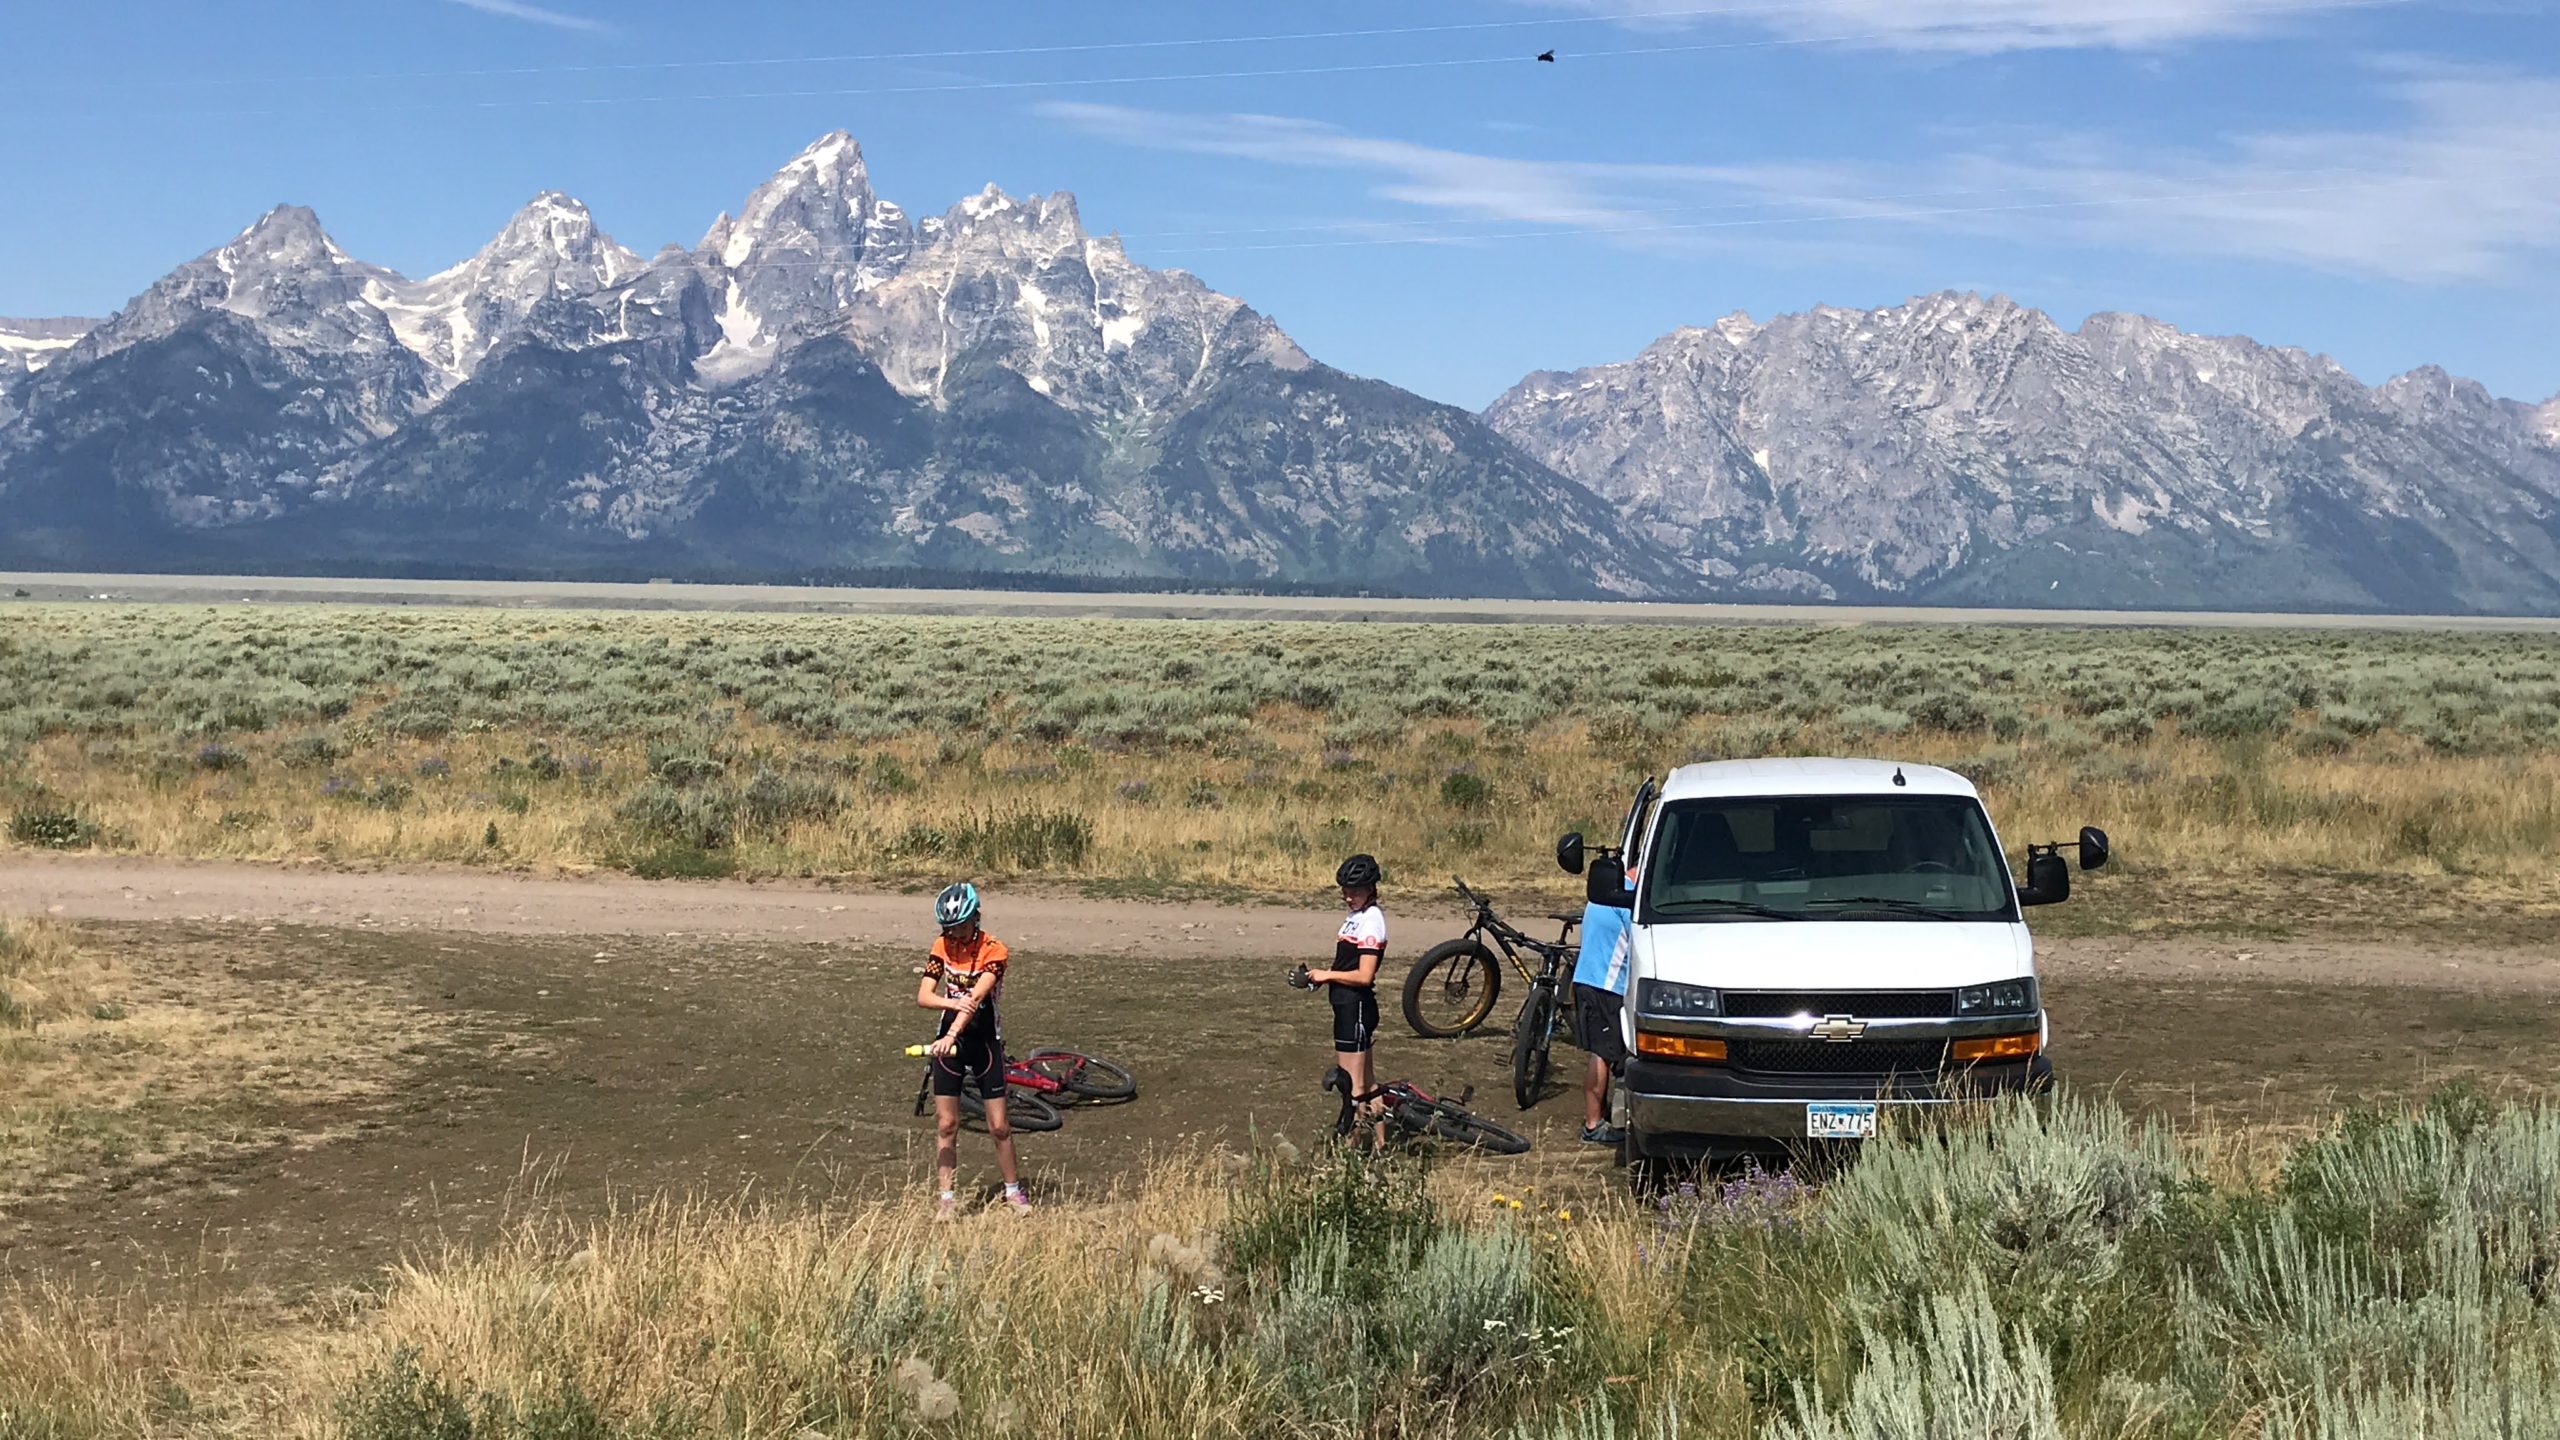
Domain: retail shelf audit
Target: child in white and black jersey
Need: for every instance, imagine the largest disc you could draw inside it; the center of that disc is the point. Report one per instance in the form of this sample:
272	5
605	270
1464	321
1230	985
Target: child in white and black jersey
1359	948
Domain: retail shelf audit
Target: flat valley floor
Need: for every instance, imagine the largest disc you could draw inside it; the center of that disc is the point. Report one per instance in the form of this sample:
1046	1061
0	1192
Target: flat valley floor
858	600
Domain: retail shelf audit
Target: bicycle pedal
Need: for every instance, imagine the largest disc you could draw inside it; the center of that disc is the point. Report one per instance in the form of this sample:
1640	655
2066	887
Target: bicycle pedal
1467	1094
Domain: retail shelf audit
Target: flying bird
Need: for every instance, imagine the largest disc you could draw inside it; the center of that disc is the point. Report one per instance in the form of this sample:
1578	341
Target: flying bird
1547	55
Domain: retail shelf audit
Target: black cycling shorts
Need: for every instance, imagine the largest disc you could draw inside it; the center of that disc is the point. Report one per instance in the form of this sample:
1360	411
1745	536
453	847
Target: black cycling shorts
976	1062
1355	1017
1595	1015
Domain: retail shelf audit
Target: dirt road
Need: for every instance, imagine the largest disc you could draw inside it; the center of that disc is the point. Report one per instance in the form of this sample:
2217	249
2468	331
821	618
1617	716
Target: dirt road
118	888
495	903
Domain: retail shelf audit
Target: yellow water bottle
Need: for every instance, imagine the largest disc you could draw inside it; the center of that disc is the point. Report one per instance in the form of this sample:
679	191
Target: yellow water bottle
915	1052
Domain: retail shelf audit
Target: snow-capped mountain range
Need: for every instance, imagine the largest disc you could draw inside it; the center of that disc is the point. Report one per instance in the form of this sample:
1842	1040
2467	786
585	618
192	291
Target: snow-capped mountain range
824	385
821	386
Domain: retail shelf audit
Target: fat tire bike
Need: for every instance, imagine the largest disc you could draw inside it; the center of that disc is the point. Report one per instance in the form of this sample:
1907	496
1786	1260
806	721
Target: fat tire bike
1410	1113
1452	989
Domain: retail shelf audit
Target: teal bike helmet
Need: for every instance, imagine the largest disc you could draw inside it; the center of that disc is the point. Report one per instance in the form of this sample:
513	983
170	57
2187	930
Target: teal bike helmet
956	904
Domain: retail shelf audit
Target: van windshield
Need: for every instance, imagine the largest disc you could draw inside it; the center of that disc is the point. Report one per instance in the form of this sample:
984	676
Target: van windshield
1825	857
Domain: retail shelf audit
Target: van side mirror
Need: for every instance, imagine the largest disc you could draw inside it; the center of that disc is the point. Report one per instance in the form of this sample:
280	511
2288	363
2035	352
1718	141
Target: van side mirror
2048	877
1606	883
1569	853
2093	847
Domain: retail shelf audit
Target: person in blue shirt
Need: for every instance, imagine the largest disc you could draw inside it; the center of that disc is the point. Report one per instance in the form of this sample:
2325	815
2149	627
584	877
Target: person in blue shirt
1599	995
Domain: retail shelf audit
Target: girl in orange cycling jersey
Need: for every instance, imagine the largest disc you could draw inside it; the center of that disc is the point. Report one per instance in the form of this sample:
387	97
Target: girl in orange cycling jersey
962	981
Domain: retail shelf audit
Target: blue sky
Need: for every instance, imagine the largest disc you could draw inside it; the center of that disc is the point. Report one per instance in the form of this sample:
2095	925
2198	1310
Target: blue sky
1399	185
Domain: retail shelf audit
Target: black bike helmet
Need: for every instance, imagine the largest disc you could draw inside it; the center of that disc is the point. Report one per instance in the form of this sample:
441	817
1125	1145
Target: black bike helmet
1360	872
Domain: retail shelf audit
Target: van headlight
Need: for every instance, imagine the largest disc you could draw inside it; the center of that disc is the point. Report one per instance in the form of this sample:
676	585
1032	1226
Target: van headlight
1677	1002
2000	997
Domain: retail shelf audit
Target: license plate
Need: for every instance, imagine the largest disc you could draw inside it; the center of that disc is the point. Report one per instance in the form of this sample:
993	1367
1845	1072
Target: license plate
1856	1121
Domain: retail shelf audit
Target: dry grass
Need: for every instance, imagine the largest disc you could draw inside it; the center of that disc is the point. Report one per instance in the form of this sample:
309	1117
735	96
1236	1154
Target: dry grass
75	1364
2246	776
2204	837
2072	1246
131	1071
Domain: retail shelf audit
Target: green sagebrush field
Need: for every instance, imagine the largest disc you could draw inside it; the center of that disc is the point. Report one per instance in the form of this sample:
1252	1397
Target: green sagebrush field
1242	754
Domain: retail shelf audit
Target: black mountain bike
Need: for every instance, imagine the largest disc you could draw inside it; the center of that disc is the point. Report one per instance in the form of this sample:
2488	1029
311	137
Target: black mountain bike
1453	988
1409	1113
1462	976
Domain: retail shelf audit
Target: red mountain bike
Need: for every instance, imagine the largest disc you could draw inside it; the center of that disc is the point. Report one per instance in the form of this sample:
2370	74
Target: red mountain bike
1039	1083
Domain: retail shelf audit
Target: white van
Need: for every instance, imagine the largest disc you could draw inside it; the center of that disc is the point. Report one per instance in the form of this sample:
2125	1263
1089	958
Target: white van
1816	942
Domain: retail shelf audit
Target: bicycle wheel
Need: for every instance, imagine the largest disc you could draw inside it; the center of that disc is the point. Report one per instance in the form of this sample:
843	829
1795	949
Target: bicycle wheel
1462	1127
1411	1120
1088	1077
1532	1041
1023	1110
1451	989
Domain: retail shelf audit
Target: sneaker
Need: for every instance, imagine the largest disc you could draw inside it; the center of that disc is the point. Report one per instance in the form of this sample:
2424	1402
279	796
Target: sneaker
1602	1135
946	1208
1018	1202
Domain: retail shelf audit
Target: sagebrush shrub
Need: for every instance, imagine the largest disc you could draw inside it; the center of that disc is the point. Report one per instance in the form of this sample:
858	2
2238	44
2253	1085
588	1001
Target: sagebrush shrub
702	817
51	827
685	763
771	801
310	752
1465	790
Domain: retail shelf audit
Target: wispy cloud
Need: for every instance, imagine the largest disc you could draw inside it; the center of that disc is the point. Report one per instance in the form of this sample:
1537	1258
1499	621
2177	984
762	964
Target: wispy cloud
518	10
2466	188
1981	26
1457	183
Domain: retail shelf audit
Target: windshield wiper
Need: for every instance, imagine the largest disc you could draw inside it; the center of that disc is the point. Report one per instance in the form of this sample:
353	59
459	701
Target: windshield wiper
1882	902
1720	904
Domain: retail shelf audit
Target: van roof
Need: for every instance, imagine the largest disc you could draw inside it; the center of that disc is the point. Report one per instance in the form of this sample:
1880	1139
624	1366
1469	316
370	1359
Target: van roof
1728	778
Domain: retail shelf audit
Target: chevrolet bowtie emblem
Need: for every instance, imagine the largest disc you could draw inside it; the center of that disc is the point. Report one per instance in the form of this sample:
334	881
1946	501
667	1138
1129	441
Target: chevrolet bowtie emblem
1839	1029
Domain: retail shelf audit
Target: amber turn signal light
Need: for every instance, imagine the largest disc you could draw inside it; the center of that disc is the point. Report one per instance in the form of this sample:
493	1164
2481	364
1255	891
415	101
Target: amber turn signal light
1679	1047
1997	1047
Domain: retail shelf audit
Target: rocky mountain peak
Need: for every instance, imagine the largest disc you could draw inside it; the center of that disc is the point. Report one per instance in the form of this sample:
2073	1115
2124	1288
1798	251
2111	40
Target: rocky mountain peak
2431	395
283	274
992	217
551	249
822	195
558	229
805	244
288	235
2545	422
